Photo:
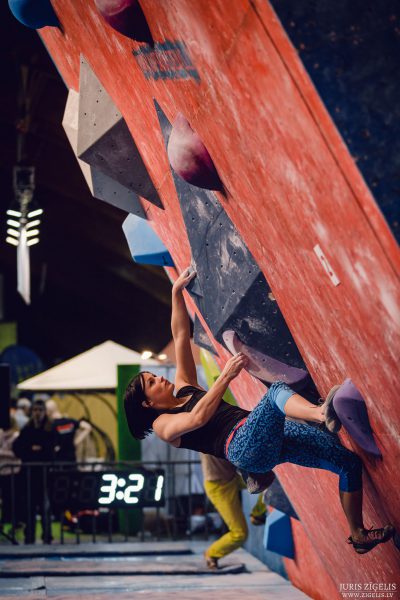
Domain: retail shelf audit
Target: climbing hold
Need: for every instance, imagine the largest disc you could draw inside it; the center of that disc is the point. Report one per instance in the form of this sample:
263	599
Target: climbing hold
265	367
351	409
144	244
189	157
101	185
234	296
126	17
278	534
194	285
34	13
104	140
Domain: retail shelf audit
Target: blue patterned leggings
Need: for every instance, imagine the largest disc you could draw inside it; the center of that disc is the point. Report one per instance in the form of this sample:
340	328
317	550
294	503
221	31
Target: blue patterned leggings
267	439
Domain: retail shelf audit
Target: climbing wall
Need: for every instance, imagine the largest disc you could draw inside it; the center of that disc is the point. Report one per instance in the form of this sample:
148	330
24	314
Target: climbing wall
289	194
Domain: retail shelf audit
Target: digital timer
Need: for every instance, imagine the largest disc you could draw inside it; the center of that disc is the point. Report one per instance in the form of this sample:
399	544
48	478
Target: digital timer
120	489
127	493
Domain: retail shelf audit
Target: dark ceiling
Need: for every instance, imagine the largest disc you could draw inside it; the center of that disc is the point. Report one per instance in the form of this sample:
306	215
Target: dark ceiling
85	288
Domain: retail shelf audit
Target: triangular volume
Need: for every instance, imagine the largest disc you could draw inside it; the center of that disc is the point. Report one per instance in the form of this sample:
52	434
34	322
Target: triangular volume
144	244
231	291
70	125
101	186
278	535
104	140
276	497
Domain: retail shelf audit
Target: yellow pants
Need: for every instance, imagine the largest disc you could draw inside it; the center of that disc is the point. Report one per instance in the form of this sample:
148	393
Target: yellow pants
225	497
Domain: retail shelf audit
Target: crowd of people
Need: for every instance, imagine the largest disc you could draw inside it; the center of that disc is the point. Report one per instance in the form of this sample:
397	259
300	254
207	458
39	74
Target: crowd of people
38	434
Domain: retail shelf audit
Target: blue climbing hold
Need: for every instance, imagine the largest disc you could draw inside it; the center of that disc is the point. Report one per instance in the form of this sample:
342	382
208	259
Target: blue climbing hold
34	13
278	534
145	246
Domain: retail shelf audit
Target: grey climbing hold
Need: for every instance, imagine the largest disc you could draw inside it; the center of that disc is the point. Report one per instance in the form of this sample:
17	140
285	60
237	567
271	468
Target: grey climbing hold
101	186
104	140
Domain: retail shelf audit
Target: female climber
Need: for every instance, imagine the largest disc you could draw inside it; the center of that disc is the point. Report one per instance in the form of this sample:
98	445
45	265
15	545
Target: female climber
253	441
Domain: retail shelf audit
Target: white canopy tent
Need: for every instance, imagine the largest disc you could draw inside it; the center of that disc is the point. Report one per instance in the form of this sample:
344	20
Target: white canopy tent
95	369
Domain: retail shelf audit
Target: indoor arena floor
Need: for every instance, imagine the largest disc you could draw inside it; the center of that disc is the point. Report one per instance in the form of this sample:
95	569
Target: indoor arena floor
165	570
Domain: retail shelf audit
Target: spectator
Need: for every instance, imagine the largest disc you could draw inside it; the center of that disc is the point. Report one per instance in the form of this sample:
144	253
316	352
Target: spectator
23	412
68	432
35	444
9	469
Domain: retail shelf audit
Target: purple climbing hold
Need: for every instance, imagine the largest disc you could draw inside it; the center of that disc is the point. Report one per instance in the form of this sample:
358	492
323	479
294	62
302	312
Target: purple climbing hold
351	409
189	157
126	17
264	367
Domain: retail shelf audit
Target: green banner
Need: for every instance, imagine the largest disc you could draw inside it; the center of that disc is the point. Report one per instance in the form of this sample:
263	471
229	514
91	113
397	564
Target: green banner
130	520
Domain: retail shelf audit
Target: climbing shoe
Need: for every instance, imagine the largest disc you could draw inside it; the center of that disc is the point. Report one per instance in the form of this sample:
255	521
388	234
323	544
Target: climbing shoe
371	538
332	422
256	482
258	519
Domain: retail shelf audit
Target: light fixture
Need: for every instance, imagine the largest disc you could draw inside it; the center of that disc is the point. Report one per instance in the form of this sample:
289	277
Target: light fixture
35	213
162	357
23	229
32	232
33	223
24	207
13	223
146	354
13	213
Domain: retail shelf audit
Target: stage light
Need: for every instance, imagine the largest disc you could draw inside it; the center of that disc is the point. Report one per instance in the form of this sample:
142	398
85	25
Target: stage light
33	223
146	354
162	357
13	223
11	240
35	213
13	213
32	232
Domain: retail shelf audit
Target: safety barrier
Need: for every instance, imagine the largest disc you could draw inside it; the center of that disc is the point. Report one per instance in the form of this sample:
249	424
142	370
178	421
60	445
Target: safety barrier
103	501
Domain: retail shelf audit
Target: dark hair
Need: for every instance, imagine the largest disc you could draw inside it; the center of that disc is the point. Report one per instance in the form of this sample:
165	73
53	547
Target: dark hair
140	419
46	424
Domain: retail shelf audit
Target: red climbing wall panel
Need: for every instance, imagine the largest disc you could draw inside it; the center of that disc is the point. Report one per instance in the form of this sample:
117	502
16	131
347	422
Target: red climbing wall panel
291	185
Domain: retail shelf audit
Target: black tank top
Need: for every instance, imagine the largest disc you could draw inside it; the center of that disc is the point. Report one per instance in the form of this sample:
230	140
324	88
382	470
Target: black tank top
211	438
